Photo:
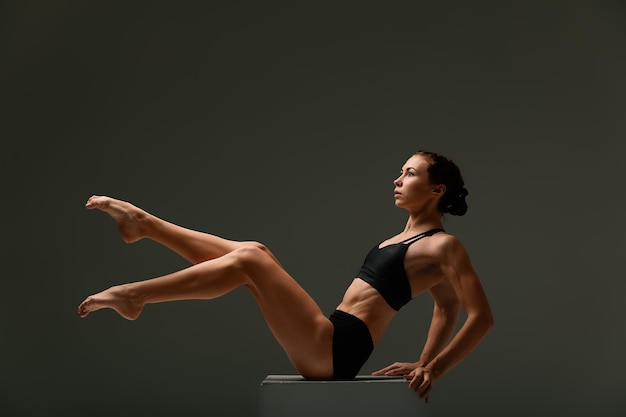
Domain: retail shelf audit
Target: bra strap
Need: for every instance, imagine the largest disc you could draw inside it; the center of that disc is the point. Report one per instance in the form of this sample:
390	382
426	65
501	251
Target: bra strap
421	235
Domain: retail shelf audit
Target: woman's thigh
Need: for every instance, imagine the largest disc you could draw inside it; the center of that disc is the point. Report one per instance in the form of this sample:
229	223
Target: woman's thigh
294	318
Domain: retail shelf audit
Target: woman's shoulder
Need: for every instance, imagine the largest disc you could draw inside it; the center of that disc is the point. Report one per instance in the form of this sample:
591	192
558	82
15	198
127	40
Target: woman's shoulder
445	238
447	246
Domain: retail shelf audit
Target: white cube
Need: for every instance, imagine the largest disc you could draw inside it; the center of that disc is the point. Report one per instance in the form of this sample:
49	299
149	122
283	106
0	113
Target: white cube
295	396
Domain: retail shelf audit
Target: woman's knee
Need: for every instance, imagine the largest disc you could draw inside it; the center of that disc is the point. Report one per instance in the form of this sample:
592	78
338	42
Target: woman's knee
251	256
260	246
254	244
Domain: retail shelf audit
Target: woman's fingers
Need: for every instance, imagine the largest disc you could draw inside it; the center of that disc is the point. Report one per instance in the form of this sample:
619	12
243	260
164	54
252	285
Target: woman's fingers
397	368
382	371
388	370
421	383
426	393
420	379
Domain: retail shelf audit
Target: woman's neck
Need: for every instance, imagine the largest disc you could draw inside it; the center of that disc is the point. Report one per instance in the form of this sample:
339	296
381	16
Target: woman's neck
420	222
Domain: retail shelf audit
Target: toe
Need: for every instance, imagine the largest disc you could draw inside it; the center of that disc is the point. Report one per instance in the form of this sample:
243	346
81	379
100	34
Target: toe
91	202
84	307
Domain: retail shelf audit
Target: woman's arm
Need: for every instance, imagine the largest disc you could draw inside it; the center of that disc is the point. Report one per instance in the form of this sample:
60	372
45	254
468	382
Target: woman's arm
445	316
458	270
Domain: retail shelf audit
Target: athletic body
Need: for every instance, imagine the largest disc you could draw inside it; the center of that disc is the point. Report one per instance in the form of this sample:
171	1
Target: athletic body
429	185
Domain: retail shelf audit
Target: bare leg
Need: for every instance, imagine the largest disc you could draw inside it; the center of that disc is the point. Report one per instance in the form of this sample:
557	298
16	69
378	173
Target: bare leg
291	314
134	224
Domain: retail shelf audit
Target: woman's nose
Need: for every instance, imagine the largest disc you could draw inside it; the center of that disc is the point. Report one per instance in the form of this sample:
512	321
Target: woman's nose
397	182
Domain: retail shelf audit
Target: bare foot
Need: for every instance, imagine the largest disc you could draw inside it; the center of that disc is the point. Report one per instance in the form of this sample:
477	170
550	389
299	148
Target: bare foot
118	298
129	218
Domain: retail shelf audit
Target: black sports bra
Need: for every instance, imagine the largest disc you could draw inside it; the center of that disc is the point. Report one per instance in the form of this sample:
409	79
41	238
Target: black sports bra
383	269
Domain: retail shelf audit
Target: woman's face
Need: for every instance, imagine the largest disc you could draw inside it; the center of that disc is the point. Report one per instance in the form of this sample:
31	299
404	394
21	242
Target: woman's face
413	189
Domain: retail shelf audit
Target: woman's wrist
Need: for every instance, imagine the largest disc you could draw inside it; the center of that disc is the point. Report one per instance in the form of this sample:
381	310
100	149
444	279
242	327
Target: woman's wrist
432	369
423	361
424	365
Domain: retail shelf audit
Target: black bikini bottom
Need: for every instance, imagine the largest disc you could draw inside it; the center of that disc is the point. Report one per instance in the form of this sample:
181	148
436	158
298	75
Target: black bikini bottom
352	344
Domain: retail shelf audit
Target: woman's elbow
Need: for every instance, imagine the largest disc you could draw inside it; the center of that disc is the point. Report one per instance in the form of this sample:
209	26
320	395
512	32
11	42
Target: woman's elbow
487	320
483	320
450	310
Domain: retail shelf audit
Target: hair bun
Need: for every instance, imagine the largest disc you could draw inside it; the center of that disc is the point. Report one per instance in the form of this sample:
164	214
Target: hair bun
443	171
455	203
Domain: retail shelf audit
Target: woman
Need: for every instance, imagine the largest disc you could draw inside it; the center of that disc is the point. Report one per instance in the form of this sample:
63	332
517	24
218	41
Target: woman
422	257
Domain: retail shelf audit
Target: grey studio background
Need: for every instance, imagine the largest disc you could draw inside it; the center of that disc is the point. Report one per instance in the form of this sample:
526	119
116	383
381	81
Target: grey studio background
286	122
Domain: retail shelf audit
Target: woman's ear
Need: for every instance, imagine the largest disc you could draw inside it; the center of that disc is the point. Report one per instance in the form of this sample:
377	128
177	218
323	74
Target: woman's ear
439	190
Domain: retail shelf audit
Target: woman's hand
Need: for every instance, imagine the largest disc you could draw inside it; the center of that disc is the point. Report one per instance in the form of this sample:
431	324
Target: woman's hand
398	368
421	381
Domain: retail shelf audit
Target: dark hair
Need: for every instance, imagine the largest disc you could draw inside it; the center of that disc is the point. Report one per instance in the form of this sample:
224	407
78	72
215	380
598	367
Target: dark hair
443	171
